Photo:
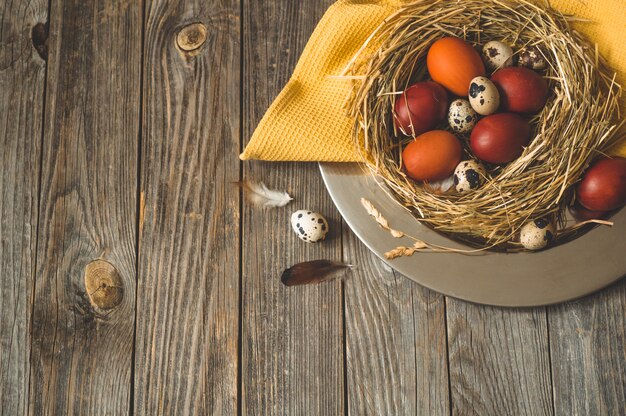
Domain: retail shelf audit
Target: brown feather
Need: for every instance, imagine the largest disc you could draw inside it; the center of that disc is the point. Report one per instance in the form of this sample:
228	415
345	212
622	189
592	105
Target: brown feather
316	271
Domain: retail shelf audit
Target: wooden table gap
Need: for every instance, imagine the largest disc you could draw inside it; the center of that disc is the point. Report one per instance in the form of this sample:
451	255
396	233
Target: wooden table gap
139	208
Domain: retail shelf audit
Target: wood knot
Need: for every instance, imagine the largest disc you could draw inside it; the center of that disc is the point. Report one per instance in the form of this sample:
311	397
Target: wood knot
103	284
191	37
39	37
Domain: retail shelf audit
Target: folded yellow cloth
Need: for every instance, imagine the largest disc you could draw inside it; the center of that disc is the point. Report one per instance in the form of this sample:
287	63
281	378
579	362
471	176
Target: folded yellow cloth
308	121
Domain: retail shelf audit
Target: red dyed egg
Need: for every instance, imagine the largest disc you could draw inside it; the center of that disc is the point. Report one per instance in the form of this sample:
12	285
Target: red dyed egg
581	213
432	156
420	108
603	187
521	90
500	138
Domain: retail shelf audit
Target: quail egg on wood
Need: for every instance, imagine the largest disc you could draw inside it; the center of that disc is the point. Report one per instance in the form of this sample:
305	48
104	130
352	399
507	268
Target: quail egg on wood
310	226
531	57
497	55
484	96
468	175
537	234
461	116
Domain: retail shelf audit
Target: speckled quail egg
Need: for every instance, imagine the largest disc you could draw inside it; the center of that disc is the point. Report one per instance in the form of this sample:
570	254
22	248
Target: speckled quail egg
497	55
484	96
536	234
310	226
531	57
468	175
461	116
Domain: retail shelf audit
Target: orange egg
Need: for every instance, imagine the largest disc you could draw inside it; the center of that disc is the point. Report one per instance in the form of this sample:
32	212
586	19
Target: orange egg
453	63
431	156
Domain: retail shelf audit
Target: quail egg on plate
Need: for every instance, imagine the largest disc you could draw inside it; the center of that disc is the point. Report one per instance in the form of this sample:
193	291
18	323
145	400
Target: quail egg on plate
537	234
310	226
461	116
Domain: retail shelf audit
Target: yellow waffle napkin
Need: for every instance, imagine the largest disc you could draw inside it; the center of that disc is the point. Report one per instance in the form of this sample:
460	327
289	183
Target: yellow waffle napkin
308	121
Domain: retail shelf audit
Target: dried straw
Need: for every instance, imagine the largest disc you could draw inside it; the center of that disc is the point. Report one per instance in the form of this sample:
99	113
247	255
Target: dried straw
579	122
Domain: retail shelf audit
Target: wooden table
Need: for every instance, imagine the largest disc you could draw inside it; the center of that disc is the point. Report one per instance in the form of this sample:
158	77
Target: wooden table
135	279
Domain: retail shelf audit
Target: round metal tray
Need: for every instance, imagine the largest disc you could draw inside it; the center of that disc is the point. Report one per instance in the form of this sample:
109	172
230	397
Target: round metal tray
567	271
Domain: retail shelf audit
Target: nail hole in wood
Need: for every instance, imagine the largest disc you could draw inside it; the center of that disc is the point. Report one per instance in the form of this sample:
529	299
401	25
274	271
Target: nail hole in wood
191	37
39	37
103	284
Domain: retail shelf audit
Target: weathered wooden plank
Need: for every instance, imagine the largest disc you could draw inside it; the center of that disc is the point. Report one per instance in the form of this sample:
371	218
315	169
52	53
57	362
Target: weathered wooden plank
292	337
588	351
22	77
396	340
82	338
499	360
188	291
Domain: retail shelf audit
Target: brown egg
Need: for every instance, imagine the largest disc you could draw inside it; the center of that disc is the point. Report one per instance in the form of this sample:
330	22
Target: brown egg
521	90
420	108
432	156
500	138
603	187
581	213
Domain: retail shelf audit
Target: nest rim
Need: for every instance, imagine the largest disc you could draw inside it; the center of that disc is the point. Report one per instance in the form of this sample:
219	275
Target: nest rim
540	183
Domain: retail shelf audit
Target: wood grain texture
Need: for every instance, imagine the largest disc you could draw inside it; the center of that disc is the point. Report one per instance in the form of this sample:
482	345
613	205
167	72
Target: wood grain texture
291	337
396	340
81	354
22	76
588	350
114	162
188	291
499	360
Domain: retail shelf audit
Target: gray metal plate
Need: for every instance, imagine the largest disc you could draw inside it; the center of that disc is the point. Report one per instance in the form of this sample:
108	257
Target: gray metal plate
564	272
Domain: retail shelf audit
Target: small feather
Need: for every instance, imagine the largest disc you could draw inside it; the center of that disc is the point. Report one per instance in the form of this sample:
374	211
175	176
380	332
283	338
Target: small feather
260	195
316	271
443	185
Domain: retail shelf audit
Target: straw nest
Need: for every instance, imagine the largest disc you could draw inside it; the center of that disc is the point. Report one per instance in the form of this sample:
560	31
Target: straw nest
580	121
